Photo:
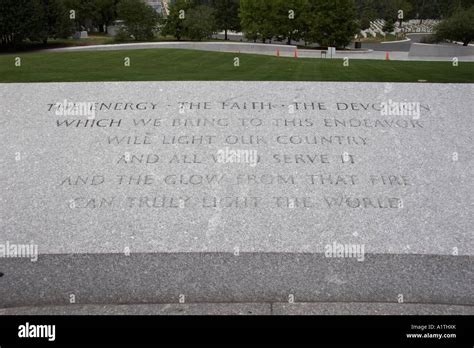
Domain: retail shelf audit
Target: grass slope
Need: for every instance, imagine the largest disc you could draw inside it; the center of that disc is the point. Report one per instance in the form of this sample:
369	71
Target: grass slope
171	64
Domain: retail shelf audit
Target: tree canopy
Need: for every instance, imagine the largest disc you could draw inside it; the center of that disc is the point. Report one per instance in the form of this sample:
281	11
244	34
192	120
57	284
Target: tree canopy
327	22
140	20
36	20
459	27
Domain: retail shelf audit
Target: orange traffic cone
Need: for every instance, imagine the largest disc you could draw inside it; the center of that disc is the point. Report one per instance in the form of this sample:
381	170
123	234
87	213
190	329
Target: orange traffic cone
296	53
387	56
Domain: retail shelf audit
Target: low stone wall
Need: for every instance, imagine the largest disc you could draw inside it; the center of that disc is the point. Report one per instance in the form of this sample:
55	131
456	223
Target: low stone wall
230	47
204	46
426	50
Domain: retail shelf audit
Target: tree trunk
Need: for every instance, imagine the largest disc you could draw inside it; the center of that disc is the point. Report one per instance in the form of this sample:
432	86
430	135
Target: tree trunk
225	31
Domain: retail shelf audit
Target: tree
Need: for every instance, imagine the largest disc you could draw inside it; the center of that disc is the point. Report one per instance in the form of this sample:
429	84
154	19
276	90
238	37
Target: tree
290	18
174	23
249	19
140	19
105	13
328	22
199	23
459	27
309	18
93	14
390	9
389	26
18	20
366	12
85	13
447	8
258	19
52	21
227	15
336	22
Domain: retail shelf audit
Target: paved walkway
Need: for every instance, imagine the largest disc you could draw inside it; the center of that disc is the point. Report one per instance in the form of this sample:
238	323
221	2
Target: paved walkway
256	48
403	46
381	55
395	46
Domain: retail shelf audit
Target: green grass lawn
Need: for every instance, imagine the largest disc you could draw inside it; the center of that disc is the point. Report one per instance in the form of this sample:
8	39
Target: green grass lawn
171	64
